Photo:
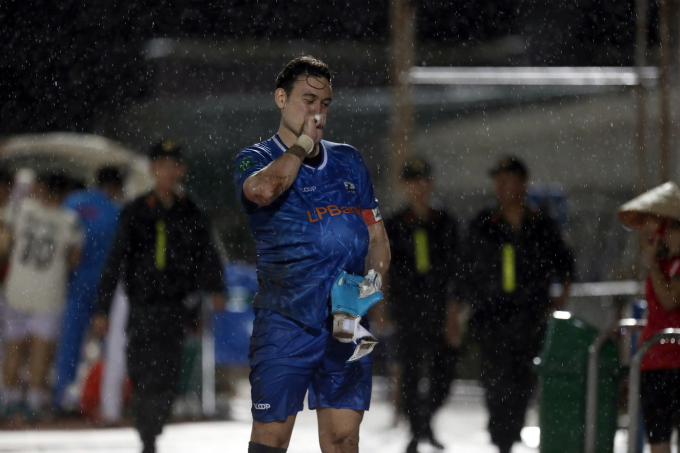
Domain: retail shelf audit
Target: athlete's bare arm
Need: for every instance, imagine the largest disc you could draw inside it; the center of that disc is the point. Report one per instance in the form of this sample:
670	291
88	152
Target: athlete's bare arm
265	186
378	256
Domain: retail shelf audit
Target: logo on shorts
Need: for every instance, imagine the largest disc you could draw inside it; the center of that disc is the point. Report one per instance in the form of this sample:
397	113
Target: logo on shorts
261	406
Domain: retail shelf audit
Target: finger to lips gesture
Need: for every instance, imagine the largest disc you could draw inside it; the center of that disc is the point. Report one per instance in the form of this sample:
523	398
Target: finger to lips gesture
312	126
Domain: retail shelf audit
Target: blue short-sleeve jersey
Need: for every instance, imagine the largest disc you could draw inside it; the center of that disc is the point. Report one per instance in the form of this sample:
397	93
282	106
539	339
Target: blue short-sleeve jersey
98	216
312	232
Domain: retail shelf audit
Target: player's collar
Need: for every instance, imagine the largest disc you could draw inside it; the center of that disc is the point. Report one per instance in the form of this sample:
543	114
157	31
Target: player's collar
322	147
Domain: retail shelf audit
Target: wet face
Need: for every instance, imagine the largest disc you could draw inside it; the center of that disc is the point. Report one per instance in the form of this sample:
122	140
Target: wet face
649	226
309	96
666	230
509	188
167	172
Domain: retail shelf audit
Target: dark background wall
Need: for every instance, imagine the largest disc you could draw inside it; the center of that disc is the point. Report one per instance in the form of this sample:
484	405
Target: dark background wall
66	64
135	71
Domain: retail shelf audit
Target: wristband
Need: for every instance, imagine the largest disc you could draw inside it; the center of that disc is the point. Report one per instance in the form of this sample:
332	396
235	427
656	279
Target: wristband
306	143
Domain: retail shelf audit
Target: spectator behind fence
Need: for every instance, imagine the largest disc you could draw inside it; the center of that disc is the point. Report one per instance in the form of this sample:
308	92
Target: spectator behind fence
163	252
656	216
97	210
423	241
512	255
47	240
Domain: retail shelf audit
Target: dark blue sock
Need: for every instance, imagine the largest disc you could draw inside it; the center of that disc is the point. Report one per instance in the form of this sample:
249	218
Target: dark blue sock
259	448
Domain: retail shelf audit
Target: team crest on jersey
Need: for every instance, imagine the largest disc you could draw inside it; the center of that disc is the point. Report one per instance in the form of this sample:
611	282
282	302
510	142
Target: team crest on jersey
351	188
245	164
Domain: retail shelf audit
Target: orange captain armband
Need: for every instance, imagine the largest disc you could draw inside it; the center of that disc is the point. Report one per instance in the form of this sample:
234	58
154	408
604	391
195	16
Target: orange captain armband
371	216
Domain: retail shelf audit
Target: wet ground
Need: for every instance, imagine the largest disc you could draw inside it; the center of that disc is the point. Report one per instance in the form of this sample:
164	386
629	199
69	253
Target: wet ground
460	426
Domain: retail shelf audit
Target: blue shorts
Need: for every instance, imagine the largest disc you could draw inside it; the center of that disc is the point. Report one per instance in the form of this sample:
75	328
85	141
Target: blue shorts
288	358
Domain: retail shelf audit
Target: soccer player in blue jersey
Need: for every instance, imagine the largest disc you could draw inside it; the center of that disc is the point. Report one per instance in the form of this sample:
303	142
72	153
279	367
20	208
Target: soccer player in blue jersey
97	209
313	215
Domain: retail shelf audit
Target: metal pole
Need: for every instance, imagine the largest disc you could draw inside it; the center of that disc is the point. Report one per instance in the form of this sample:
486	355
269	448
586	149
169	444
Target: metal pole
402	56
593	376
208	359
641	10
664	90
634	383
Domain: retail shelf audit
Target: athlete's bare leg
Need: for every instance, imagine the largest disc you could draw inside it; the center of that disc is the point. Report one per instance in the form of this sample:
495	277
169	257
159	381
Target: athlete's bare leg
339	430
273	434
40	359
15	352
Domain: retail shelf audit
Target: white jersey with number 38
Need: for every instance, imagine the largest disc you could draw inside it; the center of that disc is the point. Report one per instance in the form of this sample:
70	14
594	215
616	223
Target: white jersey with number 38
38	269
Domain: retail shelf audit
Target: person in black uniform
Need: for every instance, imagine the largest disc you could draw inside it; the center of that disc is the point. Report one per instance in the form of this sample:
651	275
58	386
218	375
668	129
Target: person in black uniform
423	243
512	256
162	250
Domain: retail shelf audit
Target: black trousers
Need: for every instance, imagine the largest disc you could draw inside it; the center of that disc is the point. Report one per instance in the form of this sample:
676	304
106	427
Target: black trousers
509	380
155	337
428	368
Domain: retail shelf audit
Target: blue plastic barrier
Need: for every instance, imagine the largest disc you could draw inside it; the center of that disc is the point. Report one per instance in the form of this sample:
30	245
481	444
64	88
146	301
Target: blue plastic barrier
551	199
232	337
233	326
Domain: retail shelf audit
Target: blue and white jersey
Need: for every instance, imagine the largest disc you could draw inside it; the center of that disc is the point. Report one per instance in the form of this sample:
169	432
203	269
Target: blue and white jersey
98	216
312	232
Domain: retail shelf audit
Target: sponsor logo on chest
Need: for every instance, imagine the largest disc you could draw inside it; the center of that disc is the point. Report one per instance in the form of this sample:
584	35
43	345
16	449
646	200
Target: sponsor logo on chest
332	210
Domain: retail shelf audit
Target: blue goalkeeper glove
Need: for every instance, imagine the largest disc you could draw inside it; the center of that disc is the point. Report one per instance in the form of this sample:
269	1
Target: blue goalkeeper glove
355	295
351	297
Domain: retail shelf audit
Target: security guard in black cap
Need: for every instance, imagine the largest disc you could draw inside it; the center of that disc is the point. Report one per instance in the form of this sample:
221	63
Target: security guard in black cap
512	255
423	241
163	252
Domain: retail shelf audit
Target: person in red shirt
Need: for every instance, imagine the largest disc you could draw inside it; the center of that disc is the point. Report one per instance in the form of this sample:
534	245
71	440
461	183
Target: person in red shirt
656	215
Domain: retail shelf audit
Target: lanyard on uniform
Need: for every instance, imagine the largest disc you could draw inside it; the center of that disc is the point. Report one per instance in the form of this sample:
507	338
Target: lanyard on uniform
422	250
161	243
508	267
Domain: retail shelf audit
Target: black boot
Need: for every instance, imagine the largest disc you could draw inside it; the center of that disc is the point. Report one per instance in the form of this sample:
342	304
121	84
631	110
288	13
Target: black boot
429	435
435	443
412	446
149	445
505	447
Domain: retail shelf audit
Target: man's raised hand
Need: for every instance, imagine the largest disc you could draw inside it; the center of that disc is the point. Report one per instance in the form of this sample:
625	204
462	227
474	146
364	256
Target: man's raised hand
313	125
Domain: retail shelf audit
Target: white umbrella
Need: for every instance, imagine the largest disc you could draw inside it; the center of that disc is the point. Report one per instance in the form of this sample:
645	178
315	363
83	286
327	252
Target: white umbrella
79	155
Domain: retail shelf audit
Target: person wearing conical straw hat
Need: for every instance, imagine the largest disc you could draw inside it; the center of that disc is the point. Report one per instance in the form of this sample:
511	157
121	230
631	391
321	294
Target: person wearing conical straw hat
655	215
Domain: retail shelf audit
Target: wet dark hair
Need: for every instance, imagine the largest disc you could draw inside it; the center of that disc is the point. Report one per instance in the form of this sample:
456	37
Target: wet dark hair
6	177
109	175
56	182
305	65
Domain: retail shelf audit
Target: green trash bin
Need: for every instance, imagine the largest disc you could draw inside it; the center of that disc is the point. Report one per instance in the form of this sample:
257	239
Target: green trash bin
190	366
562	368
